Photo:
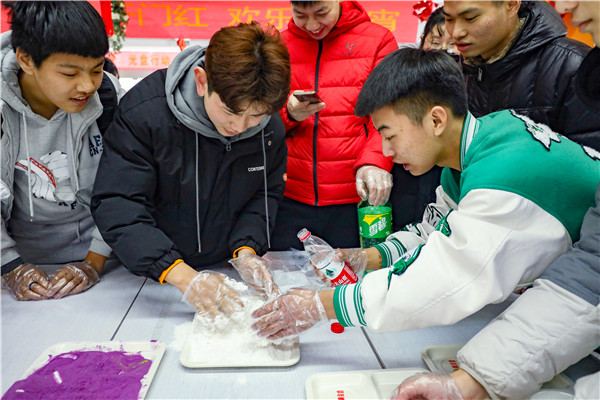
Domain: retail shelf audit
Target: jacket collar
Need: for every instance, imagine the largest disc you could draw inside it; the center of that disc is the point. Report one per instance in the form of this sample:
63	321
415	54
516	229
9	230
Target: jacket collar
469	130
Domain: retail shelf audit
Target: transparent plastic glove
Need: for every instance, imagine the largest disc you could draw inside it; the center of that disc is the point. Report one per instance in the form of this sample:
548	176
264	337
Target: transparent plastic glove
356	258
255	272
28	282
293	313
427	386
73	278
374	182
211	296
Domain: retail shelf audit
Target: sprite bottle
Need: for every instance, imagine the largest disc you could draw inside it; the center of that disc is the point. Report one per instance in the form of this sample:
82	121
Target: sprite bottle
374	223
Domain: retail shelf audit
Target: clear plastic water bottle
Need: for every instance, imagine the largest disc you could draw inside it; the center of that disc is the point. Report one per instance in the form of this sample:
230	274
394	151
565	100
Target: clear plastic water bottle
321	256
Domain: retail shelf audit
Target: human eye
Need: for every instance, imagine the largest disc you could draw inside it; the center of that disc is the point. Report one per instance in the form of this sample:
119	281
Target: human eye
471	19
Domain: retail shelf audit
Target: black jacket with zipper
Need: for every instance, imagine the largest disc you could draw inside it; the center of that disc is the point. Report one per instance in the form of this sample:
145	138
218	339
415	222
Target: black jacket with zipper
164	192
537	78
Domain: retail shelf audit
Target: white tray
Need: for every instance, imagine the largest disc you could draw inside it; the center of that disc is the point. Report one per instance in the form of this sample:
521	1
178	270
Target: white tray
150	350
365	384
443	359
290	355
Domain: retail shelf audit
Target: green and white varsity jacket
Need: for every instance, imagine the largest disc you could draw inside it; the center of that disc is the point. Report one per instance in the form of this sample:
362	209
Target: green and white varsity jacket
516	205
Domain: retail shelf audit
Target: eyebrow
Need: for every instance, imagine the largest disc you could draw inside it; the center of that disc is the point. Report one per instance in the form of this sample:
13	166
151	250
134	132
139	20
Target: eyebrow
382	128
468	10
79	67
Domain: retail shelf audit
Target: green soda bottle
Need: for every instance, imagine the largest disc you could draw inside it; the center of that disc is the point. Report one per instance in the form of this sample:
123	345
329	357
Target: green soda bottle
374	223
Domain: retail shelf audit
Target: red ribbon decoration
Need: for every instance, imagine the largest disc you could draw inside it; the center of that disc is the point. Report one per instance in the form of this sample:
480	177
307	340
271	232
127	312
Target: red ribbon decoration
423	9
106	12
181	43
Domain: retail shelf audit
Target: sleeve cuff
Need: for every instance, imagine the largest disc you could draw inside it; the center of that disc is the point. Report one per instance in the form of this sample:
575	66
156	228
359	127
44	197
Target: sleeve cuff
9	266
391	250
347	302
162	276
240	248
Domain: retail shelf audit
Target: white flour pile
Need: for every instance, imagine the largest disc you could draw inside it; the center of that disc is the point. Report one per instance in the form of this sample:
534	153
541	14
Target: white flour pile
231	341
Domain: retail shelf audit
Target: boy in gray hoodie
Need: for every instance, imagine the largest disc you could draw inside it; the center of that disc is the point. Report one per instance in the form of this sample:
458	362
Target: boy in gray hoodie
51	71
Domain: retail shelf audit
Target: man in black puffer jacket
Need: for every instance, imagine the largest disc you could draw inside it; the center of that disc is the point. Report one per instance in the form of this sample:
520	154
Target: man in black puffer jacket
515	55
193	165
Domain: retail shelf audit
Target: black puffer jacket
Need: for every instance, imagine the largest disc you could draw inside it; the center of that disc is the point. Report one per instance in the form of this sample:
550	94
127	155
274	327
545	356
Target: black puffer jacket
163	190
536	78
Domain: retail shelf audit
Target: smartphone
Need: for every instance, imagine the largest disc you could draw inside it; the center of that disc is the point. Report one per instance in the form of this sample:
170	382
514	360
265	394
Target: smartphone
310	96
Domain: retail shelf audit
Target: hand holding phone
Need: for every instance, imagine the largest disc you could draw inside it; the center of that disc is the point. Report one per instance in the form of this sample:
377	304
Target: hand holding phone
311	96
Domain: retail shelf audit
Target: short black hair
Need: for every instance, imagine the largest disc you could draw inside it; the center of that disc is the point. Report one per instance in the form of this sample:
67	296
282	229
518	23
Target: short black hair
43	28
109	66
304	3
412	81
435	20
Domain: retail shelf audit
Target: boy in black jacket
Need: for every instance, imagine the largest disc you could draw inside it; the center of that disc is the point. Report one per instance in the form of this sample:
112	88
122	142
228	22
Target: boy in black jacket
193	166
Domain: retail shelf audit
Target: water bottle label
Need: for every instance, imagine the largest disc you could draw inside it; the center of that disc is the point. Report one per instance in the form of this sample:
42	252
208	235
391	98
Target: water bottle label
339	273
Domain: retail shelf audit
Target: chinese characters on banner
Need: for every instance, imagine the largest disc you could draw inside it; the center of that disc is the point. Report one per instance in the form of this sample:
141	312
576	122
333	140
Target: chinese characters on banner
200	19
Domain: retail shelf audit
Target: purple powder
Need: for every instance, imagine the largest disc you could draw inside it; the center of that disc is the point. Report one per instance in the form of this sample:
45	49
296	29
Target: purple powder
84	375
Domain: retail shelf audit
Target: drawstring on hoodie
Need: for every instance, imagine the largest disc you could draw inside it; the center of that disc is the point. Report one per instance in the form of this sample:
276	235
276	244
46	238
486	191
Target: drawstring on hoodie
265	180
29	191
197	201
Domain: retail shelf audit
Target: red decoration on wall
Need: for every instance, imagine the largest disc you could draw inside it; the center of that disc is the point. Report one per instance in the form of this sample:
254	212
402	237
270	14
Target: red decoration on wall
181	43
423	9
106	12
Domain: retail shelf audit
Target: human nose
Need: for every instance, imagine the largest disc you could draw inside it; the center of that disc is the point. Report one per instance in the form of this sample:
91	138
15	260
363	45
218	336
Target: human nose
456	30
312	24
86	84
387	149
240	123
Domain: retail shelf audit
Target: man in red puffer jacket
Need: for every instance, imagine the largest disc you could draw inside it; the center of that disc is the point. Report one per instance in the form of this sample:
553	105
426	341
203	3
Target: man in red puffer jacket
333	156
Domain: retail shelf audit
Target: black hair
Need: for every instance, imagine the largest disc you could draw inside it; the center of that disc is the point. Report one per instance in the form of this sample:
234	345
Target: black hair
109	66
43	28
304	3
412	81
435	20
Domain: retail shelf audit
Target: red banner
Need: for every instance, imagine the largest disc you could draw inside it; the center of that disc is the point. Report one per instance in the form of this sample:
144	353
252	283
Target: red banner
200	19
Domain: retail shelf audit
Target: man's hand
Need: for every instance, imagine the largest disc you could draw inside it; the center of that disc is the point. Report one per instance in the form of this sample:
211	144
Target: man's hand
211	296
73	278
28	282
374	182
290	314
255	272
299	111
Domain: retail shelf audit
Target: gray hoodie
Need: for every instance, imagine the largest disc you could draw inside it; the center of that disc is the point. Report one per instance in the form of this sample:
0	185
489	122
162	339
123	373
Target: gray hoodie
40	231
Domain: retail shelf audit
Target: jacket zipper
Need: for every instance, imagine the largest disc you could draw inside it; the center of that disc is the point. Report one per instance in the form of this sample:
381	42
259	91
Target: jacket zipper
315	127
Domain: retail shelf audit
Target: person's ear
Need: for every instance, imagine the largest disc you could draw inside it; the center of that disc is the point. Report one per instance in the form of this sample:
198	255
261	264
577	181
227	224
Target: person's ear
201	82
439	119
25	61
512	7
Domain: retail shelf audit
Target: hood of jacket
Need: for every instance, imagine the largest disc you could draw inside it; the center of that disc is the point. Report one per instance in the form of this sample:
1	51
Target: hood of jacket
185	103
351	14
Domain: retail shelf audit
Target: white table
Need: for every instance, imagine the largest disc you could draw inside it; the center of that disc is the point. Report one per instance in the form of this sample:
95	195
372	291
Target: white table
30	327
126	307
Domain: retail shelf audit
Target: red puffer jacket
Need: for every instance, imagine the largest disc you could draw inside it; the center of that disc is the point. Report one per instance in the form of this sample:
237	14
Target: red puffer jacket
325	150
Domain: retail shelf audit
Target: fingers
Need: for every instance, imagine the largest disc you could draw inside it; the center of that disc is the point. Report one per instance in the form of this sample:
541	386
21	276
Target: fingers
361	188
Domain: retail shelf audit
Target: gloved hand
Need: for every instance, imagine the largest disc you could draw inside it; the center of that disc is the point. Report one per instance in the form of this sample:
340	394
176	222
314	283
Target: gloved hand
290	314
211	296
28	282
356	259
427	386
255	272
374	182
73	278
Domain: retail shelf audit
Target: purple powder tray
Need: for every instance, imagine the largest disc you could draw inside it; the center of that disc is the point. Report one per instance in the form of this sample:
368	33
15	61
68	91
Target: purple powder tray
92	369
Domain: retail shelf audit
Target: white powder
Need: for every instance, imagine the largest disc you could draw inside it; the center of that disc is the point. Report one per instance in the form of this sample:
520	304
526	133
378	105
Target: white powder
231	341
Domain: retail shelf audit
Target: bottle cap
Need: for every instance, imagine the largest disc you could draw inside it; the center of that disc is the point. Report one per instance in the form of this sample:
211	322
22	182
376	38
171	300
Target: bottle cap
336	327
303	234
